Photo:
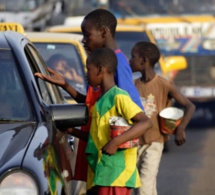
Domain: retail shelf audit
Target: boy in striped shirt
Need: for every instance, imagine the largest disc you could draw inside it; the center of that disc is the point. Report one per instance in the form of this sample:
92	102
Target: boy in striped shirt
110	170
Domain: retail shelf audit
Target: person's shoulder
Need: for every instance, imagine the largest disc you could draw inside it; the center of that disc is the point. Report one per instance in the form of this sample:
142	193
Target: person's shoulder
165	83
120	94
136	81
120	55
162	79
119	91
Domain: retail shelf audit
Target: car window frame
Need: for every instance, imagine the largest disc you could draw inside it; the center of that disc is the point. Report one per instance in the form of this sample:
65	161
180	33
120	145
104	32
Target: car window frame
37	64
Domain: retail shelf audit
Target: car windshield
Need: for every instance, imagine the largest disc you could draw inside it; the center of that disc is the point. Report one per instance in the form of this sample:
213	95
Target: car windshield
127	39
20	5
65	59
14	105
123	8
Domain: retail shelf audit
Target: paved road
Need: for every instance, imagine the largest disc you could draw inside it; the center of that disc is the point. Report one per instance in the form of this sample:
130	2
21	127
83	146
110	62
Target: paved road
189	169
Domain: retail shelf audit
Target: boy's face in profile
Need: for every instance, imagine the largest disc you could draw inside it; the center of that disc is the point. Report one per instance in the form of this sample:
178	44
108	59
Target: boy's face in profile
135	61
92	37
92	74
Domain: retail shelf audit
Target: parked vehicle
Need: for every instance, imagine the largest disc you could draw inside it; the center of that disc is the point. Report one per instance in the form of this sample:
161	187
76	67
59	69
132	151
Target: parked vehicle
31	14
35	153
180	29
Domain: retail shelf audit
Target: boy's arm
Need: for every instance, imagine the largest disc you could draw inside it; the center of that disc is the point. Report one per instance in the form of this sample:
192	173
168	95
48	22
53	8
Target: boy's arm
78	133
189	109
78	97
59	80
141	124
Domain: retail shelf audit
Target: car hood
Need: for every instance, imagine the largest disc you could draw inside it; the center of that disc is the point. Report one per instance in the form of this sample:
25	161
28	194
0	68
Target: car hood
14	139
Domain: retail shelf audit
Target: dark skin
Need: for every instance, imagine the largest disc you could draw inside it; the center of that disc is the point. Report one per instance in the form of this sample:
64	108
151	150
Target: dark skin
96	38
92	39
142	64
58	79
98	75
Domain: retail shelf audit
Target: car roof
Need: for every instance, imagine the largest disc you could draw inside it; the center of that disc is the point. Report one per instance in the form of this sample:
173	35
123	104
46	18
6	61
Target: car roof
3	41
53	37
6	36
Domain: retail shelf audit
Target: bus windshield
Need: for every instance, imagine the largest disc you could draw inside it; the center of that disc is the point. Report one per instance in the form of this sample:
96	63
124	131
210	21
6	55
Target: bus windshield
126	40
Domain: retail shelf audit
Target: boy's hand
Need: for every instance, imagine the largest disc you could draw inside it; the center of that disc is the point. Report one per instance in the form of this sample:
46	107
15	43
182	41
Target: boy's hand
180	136
55	77
69	130
110	148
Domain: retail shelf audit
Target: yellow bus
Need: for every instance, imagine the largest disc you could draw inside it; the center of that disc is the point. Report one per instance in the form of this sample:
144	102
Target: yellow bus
179	28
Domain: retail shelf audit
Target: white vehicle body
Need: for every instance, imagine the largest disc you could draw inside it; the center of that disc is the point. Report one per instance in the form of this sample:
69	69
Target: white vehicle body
31	14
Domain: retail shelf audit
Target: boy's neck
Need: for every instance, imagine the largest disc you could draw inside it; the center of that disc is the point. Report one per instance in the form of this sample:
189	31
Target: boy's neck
111	44
147	76
107	85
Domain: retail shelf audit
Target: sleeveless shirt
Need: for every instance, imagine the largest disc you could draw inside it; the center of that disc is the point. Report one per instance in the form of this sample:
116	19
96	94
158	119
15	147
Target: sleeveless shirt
154	97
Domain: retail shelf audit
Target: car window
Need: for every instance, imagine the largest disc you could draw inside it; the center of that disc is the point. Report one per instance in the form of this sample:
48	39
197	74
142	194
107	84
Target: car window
14	104
48	91
65	59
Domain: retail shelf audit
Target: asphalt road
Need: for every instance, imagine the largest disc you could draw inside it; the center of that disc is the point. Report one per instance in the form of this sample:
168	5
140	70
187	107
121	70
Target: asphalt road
190	169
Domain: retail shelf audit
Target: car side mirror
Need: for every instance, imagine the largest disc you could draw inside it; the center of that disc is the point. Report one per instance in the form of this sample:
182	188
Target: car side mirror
69	115
175	63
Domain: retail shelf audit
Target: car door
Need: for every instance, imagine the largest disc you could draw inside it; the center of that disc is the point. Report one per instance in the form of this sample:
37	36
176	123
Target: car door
57	151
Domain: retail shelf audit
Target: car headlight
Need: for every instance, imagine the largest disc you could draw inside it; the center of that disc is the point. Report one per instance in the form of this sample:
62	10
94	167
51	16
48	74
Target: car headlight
18	183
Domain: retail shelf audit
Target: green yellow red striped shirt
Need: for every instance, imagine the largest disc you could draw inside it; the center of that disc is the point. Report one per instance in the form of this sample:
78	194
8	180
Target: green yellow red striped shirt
119	169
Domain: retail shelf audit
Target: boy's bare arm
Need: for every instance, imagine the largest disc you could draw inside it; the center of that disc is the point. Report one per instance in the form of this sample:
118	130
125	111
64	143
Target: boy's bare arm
59	80
141	124
78	133
78	97
189	109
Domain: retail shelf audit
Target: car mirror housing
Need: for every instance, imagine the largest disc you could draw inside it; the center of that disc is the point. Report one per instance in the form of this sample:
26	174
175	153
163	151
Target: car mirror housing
69	115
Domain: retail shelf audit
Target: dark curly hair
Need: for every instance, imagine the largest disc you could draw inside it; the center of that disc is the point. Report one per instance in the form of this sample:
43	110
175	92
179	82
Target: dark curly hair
149	50
55	58
101	18
104	57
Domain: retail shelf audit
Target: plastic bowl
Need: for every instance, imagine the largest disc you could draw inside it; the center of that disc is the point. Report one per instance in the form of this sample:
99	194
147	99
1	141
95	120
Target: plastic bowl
170	118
